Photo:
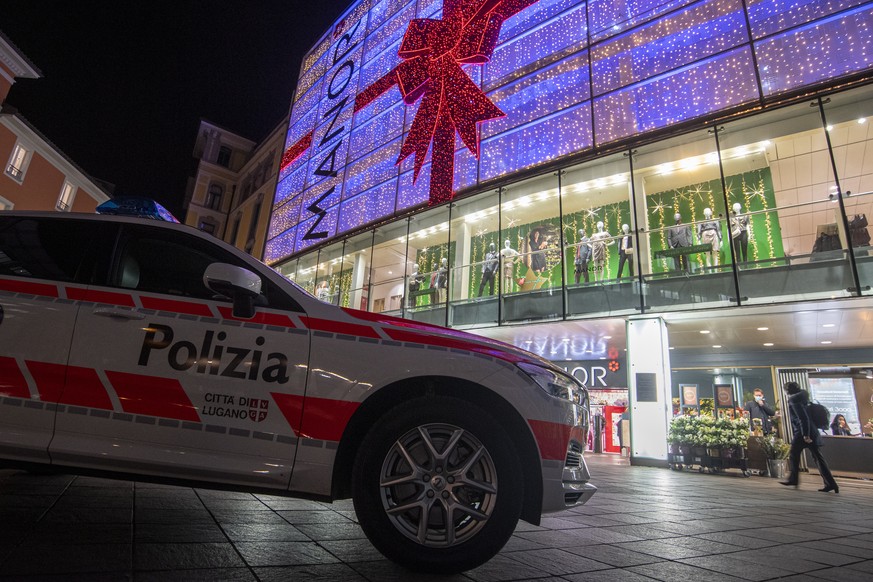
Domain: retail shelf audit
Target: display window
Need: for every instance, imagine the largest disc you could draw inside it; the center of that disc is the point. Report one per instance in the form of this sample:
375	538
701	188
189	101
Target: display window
354	284
430	250
532	265
389	267
849	117
678	189
333	277
600	237
307	272
475	265
785	217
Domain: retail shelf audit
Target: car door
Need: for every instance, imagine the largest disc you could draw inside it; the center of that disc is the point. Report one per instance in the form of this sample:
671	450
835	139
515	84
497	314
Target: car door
190	388
39	257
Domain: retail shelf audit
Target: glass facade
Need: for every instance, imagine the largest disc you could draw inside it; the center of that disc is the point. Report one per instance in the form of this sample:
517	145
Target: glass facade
376	131
759	210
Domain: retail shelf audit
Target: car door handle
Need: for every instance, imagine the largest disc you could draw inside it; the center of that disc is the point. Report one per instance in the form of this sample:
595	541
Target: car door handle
119	314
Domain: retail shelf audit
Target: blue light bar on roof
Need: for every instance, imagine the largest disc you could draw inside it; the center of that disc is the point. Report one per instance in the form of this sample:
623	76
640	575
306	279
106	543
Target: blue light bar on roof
138	207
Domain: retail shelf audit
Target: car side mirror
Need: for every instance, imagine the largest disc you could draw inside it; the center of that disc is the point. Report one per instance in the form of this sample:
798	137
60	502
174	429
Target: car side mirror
235	283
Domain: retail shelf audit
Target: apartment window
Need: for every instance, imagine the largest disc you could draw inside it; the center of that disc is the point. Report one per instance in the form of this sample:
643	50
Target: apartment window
207	226
18	163
223	156
65	200
213	196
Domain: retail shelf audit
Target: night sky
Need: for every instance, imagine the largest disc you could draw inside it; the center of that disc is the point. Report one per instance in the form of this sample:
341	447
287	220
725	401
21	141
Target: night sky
124	89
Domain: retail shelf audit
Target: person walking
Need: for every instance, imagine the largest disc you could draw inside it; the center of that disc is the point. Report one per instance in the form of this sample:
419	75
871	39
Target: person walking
805	436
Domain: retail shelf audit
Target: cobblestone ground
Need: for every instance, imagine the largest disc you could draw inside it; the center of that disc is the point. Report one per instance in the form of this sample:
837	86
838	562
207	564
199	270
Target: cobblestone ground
643	524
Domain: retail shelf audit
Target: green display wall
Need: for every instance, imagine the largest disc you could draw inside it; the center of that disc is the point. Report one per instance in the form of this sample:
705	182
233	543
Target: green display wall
753	190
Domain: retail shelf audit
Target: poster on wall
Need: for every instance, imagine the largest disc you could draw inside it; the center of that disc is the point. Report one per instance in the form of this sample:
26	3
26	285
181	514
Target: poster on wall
689	395
838	396
724	395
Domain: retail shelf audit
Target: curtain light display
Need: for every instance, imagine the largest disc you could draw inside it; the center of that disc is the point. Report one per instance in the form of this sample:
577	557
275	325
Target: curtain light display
405	103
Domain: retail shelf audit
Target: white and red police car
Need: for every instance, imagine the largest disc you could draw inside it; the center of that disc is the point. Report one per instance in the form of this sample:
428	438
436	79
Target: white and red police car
141	347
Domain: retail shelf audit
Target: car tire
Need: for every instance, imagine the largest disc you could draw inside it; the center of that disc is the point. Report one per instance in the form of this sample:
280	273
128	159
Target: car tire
471	473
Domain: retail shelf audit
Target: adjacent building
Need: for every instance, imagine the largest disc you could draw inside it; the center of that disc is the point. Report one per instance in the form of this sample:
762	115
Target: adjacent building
231	193
36	175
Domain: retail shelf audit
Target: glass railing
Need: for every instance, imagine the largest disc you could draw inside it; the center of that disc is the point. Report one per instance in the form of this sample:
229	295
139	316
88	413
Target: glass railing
687	266
794	252
859	211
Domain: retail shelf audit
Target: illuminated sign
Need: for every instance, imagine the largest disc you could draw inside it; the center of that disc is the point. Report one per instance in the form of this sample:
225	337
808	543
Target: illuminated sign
405	103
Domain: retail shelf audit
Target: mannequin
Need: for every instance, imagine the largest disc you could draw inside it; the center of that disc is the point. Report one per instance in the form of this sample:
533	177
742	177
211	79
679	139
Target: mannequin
489	270
740	233
508	255
583	255
679	236
322	293
442	279
414	283
626	251
599	241
537	257
709	232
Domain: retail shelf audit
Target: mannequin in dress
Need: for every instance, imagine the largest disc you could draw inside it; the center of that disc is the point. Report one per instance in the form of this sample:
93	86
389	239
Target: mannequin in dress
740	233
709	232
679	236
414	284
489	270
626	251
583	255
537	258
599	241
508	255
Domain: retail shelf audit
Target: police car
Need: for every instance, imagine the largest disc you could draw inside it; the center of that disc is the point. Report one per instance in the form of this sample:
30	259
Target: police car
145	348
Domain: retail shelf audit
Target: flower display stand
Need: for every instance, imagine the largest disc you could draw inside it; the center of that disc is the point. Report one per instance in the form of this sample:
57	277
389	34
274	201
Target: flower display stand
708	463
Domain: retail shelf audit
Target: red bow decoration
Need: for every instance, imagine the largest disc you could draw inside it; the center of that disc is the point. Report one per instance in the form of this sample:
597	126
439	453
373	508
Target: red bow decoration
433	52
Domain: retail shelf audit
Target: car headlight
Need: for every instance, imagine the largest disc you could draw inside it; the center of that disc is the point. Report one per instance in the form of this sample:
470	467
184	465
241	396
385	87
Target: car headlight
556	383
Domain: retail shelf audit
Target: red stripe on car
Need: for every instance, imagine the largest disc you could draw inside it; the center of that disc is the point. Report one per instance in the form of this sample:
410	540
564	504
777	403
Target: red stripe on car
69	385
276	319
108	297
84	388
324	419
152	396
176	306
49	379
552	439
332	326
29	287
12	382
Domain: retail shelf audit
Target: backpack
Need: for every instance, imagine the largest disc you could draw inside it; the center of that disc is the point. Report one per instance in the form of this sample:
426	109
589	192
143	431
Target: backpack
821	416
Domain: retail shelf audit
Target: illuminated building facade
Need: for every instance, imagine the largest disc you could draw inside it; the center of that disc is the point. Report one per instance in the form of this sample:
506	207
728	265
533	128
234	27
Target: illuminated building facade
490	163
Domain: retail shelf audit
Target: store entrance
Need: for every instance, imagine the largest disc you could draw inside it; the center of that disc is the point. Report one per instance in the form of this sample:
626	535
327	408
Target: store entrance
606	381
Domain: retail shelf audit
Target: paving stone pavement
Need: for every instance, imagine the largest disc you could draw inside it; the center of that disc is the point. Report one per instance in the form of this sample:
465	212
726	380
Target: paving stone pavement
643	524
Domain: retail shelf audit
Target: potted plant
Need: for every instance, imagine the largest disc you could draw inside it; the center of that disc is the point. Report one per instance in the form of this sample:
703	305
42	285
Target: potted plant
679	435
776	450
736	437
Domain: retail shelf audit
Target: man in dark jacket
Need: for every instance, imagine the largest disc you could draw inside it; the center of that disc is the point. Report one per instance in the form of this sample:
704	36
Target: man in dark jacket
805	435
758	408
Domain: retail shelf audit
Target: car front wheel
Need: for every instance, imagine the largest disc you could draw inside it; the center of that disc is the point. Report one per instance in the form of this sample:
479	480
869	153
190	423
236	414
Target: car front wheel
437	485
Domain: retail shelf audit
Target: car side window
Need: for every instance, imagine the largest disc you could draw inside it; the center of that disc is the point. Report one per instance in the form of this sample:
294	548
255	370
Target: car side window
46	248
163	261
